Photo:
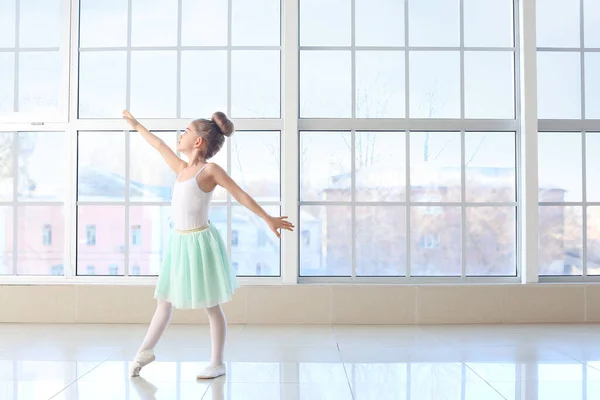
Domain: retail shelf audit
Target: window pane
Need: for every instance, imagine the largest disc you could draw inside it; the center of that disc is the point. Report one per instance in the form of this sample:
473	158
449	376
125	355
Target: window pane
435	160
325	166
40	78
592	85
436	241
561	241
33	256
154	23
102	84
380	78
256	163
204	23
6	240
6	165
40	23
559	85
488	23
490	160
101	166
491	241
379	23
329	252
218	218
560	181
255	84
380	166
152	97
7	23
558	23
489	85
591	23
319	28
325	84
256	23
153	228
7	82
95	16
593	240
381	241
434	22
107	251
202	73
435	84
255	257
592	145
151	179
42	163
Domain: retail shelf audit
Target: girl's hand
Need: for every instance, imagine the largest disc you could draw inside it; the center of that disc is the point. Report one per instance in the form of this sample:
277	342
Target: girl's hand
130	119
277	223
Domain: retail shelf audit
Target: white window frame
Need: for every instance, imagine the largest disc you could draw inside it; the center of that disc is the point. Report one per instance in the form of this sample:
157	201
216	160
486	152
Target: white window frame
523	10
289	125
581	127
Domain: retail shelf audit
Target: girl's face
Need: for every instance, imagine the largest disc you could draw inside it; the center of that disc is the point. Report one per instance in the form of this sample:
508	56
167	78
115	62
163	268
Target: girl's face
189	140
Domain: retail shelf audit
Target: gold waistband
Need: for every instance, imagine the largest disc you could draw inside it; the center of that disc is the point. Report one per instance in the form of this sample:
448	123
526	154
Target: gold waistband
193	230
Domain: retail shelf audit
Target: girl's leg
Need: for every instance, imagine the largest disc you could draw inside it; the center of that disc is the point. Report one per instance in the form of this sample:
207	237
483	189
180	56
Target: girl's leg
160	321
218	334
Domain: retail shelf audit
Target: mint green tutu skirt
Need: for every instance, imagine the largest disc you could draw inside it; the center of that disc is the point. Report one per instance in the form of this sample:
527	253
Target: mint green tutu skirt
196	271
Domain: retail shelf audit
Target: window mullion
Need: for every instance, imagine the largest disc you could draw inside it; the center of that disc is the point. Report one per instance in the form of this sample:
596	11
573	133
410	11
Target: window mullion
290	139
528	167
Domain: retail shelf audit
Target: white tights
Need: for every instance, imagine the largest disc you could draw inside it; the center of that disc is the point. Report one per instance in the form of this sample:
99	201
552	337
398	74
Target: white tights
162	317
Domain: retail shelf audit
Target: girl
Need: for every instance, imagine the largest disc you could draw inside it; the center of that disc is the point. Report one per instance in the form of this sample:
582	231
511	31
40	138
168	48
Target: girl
196	272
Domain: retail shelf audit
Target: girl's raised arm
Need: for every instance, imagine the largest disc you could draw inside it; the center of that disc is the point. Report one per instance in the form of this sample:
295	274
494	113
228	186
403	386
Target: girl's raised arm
174	162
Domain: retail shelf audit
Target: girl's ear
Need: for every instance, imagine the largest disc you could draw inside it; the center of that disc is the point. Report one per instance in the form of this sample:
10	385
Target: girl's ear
199	142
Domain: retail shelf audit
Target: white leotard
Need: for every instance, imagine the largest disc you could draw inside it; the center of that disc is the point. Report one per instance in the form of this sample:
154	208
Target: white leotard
190	204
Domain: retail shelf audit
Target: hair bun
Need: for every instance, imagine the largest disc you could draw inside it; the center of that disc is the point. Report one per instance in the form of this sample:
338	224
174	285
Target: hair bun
223	123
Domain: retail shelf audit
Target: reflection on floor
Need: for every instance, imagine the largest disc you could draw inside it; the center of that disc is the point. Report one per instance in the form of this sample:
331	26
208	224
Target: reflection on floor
69	362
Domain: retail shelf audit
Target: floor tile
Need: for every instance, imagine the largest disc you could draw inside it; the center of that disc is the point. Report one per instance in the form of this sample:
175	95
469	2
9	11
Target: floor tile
520	362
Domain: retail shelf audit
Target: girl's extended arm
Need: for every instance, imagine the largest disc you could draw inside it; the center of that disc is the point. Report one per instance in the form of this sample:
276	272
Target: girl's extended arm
224	180
174	162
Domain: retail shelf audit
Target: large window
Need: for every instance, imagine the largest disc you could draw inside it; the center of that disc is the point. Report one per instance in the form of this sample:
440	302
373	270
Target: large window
398	201
395	133
568	109
174	60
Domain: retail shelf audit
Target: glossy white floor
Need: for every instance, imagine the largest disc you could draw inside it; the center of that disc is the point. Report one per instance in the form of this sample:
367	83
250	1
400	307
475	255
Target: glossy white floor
304	362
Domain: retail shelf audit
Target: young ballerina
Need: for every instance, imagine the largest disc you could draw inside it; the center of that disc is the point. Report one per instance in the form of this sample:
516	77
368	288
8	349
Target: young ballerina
196	271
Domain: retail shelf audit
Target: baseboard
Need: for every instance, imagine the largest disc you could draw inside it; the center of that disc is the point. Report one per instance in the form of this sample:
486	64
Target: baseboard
315	304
